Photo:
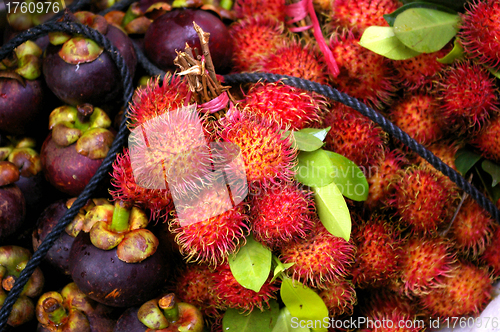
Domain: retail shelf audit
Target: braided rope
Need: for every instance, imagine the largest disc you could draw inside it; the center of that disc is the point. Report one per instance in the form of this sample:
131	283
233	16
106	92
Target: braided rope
118	143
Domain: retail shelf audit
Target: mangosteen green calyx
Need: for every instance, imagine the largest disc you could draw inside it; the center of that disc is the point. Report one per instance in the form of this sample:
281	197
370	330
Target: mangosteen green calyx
13	260
119	262
74	149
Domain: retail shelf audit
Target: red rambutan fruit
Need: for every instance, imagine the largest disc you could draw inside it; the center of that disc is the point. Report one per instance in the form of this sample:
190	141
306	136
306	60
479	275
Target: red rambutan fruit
339	297
281	214
361	14
156	98
254	38
209	228
472	229
466	292
193	285
418	114
379	248
364	74
423	199
231	294
488	140
468	96
158	201
288	106
266	155
491	254
424	264
319	258
266	8
354	136
381	176
294	59
480	32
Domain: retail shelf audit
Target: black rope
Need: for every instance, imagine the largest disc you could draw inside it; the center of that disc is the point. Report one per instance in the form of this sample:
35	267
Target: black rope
99	176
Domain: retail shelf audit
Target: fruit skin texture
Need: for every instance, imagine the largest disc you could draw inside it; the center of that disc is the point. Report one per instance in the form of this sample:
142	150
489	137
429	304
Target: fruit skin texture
472	229
463	107
464	293
231	294
488	140
286	105
423	199
424	264
491	254
319	258
274	9
172	30
339	297
480	33
354	136
12	210
254	38
281	214
379	251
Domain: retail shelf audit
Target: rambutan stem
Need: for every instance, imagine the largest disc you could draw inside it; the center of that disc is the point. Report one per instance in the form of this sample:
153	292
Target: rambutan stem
120	220
462	199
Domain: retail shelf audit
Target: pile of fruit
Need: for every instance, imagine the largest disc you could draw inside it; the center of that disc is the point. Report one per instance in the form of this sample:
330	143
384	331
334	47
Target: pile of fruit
258	205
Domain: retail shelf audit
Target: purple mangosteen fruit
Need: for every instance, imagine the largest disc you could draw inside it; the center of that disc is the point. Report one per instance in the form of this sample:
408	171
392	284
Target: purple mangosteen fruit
13	205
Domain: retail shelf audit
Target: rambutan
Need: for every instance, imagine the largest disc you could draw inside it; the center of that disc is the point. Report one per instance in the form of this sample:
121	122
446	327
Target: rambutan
364	74
466	292
209	228
288	106
418	114
423	199
339	297
425	262
294	59
319	258
254	38
354	136
156	98
480	32
468	96
379	250
488	140
491	254
231	294
472	229
266	8
380	177
158	201
359	15
266	155
281	214
193	285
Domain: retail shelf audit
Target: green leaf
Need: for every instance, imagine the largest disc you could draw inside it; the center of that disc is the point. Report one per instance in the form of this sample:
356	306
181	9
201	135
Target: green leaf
456	5
261	321
285	323
390	18
348	177
495	193
319	133
492	169
306	142
314	168
303	303
465	159
251	265
455	54
280	267
383	41
332	210
425	30
494	72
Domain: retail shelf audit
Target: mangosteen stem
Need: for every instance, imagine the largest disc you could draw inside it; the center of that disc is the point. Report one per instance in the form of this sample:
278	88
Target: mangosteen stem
169	306
54	310
8	283
120	220
83	114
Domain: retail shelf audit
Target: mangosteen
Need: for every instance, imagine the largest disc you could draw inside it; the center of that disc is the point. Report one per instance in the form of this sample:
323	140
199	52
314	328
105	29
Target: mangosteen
119	262
13	205
13	260
71	310
22	91
78	71
171	32
76	146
